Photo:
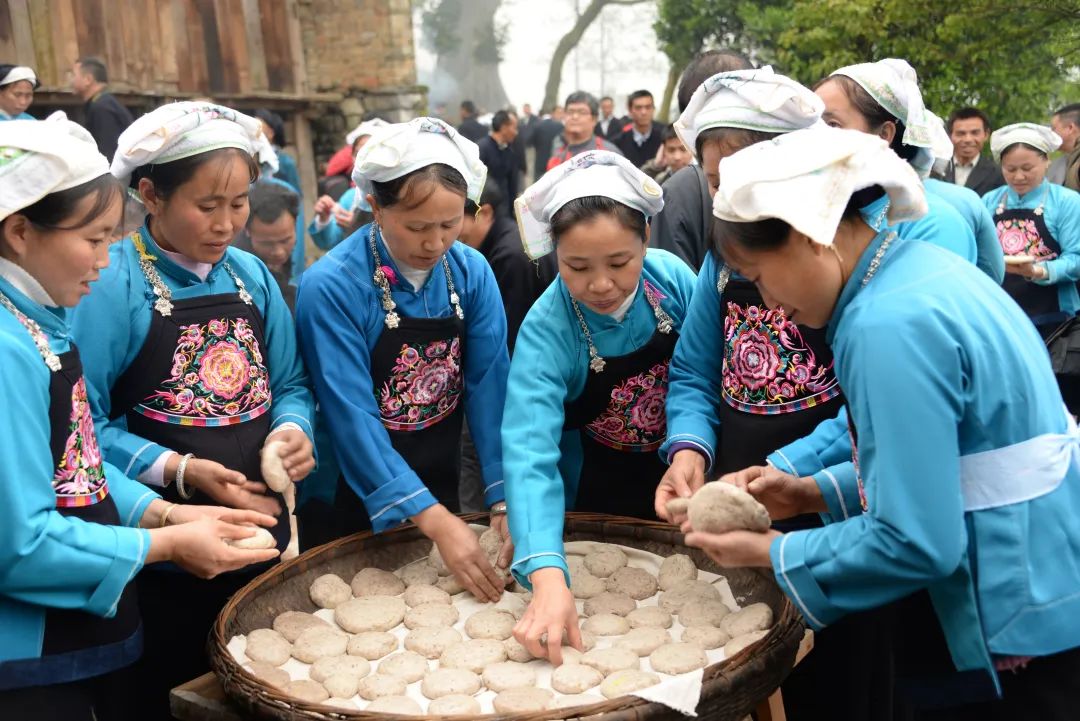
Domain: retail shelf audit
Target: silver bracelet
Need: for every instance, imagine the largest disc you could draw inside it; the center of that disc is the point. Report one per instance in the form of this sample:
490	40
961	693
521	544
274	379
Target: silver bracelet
180	469
498	508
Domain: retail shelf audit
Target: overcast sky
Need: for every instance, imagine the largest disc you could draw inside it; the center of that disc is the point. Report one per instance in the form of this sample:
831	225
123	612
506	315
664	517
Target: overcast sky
629	59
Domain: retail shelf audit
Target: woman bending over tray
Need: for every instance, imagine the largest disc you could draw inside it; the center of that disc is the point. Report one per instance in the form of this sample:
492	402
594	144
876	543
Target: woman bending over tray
75	529
585	400
960	514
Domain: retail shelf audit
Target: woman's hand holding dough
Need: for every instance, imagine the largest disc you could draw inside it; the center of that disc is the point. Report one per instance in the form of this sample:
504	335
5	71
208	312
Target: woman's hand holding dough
227	487
735	549
297	453
682	480
198	547
551	613
461	552
184	513
782	494
501	523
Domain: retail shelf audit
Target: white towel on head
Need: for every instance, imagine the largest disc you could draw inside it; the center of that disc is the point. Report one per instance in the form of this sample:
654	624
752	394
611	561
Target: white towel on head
39	157
399	149
749	99
594	172
266	155
368	127
807	177
894	84
17	73
181	130
1037	136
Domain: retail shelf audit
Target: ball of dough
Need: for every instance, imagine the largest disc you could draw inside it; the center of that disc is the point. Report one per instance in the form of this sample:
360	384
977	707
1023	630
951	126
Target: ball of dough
584	699
273	467
341	685
610	602
372	645
606	624
571	656
376	582
738	643
683	592
395	704
421	572
430	642
448	682
380	684
576	565
328	666
755	617
627	681
675	569
408	665
677	507
644	641
523	700
609	660
306	690
649	617
371	613
516	652
329	591
317	642
588	639
450	584
455	704
586	585
436	560
420	594
708	637
493	623
605	561
429	615
268	673
508	674
268	646
575	678
473	655
703	612
491	542
292	623
637	583
676	658
721	507
262	539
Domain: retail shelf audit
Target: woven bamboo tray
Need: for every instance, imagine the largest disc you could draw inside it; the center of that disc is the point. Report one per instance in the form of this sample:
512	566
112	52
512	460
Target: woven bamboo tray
731	689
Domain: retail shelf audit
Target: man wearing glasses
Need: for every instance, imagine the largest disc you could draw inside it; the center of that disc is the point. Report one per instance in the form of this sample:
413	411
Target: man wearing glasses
579	120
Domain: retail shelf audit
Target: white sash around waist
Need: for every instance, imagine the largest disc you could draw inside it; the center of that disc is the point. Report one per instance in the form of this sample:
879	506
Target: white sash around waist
1020	472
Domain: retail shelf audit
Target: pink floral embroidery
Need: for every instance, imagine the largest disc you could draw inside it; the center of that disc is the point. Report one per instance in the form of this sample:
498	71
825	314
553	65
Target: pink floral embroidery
1021	237
768	367
425	386
79	479
217	376
635	419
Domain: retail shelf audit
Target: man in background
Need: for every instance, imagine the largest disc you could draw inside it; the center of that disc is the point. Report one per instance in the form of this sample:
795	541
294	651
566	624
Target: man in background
578	135
470	127
608	126
1065	170
271	232
497	152
969	129
103	115
640	139
542	136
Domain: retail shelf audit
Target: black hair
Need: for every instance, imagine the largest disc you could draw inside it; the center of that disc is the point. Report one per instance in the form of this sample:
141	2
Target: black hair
402	190
736	138
668	133
1008	148
967	114
581	210
492	196
874	113
95	67
607	97
1068	113
704	66
637	95
269	200
167	177
500	119
583	98
6	68
56	211
276	123
468	106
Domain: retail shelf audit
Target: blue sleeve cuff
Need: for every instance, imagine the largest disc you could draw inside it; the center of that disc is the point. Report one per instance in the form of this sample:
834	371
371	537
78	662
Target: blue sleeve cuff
1052	275
143	457
494	493
841	492
679	441
132	545
788	555
542	549
397	501
796	458
299	419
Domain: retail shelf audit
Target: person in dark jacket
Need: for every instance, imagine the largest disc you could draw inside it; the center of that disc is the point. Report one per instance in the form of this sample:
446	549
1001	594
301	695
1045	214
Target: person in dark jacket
640	138
470	127
274	128
271	232
103	115
969	129
497	153
609	125
541	137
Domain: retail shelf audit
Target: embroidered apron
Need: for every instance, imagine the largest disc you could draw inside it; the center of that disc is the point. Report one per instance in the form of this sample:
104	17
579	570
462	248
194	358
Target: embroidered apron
1023	231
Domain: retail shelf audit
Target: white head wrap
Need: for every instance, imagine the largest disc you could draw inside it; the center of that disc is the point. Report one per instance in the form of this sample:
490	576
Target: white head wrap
17	73
399	149
807	177
368	127
39	157
181	130
749	99
594	172
265	154
894	84
1037	136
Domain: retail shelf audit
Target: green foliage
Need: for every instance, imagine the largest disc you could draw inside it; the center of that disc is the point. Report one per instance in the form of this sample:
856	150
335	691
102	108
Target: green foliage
438	24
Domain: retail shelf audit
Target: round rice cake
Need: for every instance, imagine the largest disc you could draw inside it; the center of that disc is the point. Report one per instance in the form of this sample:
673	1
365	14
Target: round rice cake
395	704
624	682
431	641
317	642
637	583
676	569
419	594
341	685
576	565
645	640
676	658
408	665
473	655
755	617
523	700
649	617
516	652
605	561
436	561
708	637
370	613
491	542
450	682
372	645
450	584
703	612
606	624
738	643
586	585
492	623
609	660
380	684
292	623
588	640
418	573
609	602
306	690
673	599
376	582
431	615
570	655
268	673
720	507
329	591
261	540
268	646
328	666
575	678
508	674
455	704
